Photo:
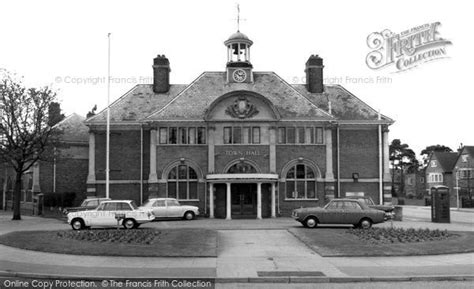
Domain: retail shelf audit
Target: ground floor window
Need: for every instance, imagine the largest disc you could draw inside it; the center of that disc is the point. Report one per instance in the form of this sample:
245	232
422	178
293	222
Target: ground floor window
300	182
183	183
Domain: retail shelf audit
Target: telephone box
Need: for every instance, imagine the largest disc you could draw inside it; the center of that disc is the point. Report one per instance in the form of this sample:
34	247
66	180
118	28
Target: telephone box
440	212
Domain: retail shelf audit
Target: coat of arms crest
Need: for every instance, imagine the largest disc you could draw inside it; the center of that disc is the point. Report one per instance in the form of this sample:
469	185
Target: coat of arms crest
241	108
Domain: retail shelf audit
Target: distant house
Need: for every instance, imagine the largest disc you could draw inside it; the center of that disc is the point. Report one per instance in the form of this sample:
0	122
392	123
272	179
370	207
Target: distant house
415	185
464	176
440	172
64	174
413	189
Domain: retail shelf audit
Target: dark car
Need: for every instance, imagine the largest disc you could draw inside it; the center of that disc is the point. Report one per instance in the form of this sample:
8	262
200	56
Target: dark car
86	205
389	210
340	211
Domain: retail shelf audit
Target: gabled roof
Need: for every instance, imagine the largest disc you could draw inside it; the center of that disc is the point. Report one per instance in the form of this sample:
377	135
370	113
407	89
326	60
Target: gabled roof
447	160
73	129
192	102
136	104
344	105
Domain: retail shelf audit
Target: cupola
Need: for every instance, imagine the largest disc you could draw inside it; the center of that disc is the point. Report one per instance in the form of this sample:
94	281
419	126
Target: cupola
239	68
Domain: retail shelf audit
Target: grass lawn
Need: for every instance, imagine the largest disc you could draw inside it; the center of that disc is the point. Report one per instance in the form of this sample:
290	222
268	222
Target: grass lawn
337	242
113	242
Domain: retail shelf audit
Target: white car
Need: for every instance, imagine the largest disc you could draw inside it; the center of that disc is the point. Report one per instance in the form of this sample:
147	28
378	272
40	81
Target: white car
109	214
170	208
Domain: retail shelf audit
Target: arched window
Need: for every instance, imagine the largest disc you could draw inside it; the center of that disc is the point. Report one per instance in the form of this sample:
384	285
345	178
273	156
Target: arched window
300	182
183	183
242	168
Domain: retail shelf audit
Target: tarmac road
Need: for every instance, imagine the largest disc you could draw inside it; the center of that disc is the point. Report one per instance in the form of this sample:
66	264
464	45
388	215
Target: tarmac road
247	247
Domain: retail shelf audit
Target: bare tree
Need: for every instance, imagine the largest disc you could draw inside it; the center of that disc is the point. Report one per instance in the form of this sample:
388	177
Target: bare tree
24	131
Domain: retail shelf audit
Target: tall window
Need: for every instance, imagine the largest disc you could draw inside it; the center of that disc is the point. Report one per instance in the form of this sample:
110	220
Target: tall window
319	135
228	135
163	135
256	135
183	139
201	135
173	135
300	182
281	135
182	183
291	135
301	137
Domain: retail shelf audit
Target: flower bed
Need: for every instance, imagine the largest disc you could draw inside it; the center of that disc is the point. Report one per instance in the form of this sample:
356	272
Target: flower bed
113	236
400	235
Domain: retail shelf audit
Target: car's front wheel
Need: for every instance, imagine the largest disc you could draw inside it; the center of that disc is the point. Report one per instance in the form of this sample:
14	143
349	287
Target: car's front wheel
77	224
365	223
310	222
129	224
188	215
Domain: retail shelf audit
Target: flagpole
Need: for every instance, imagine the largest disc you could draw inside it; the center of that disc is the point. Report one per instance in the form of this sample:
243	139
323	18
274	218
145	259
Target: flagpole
107	153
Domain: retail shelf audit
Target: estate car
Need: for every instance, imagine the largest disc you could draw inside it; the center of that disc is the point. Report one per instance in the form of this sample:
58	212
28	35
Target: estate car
109	214
340	211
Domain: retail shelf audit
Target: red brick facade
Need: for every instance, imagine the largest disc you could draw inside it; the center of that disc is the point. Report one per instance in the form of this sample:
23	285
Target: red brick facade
242	140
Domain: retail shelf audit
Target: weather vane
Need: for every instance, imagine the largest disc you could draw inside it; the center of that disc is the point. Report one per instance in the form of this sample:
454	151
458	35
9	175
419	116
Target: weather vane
238	18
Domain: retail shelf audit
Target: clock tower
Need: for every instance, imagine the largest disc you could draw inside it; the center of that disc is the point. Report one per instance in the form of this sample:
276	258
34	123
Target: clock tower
239	68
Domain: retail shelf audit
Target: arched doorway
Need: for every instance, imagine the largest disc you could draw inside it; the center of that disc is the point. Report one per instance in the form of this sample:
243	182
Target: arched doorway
244	195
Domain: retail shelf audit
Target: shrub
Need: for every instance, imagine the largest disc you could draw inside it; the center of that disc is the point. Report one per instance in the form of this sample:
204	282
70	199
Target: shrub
400	235
146	236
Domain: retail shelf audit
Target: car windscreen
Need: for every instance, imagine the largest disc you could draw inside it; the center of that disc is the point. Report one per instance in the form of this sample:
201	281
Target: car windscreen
90	203
147	203
134	206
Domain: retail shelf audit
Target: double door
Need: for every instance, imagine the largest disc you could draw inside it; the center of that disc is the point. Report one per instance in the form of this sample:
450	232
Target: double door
244	200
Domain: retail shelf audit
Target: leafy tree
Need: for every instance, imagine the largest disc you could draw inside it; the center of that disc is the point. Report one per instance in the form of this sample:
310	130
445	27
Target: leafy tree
24	130
425	153
54	113
403	160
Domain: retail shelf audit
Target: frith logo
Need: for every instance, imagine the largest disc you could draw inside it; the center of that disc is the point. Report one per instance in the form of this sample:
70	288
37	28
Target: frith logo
407	49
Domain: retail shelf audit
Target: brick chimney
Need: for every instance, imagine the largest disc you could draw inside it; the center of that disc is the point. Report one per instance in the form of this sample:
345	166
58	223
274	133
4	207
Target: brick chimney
314	74
161	74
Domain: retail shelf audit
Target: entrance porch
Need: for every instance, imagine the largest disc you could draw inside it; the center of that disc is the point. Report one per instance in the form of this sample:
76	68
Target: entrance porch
242	195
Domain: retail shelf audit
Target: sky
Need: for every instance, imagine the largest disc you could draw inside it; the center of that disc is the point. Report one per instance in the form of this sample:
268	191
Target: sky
64	44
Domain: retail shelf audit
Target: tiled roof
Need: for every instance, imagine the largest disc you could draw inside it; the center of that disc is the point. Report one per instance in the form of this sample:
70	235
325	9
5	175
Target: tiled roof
136	104
344	105
193	102
73	129
190	102
470	150
447	160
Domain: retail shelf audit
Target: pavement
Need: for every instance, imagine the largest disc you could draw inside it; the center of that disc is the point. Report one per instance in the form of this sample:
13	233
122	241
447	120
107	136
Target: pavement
249	251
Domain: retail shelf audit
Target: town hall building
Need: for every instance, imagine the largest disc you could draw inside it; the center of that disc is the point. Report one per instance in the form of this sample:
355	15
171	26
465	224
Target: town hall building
240	143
